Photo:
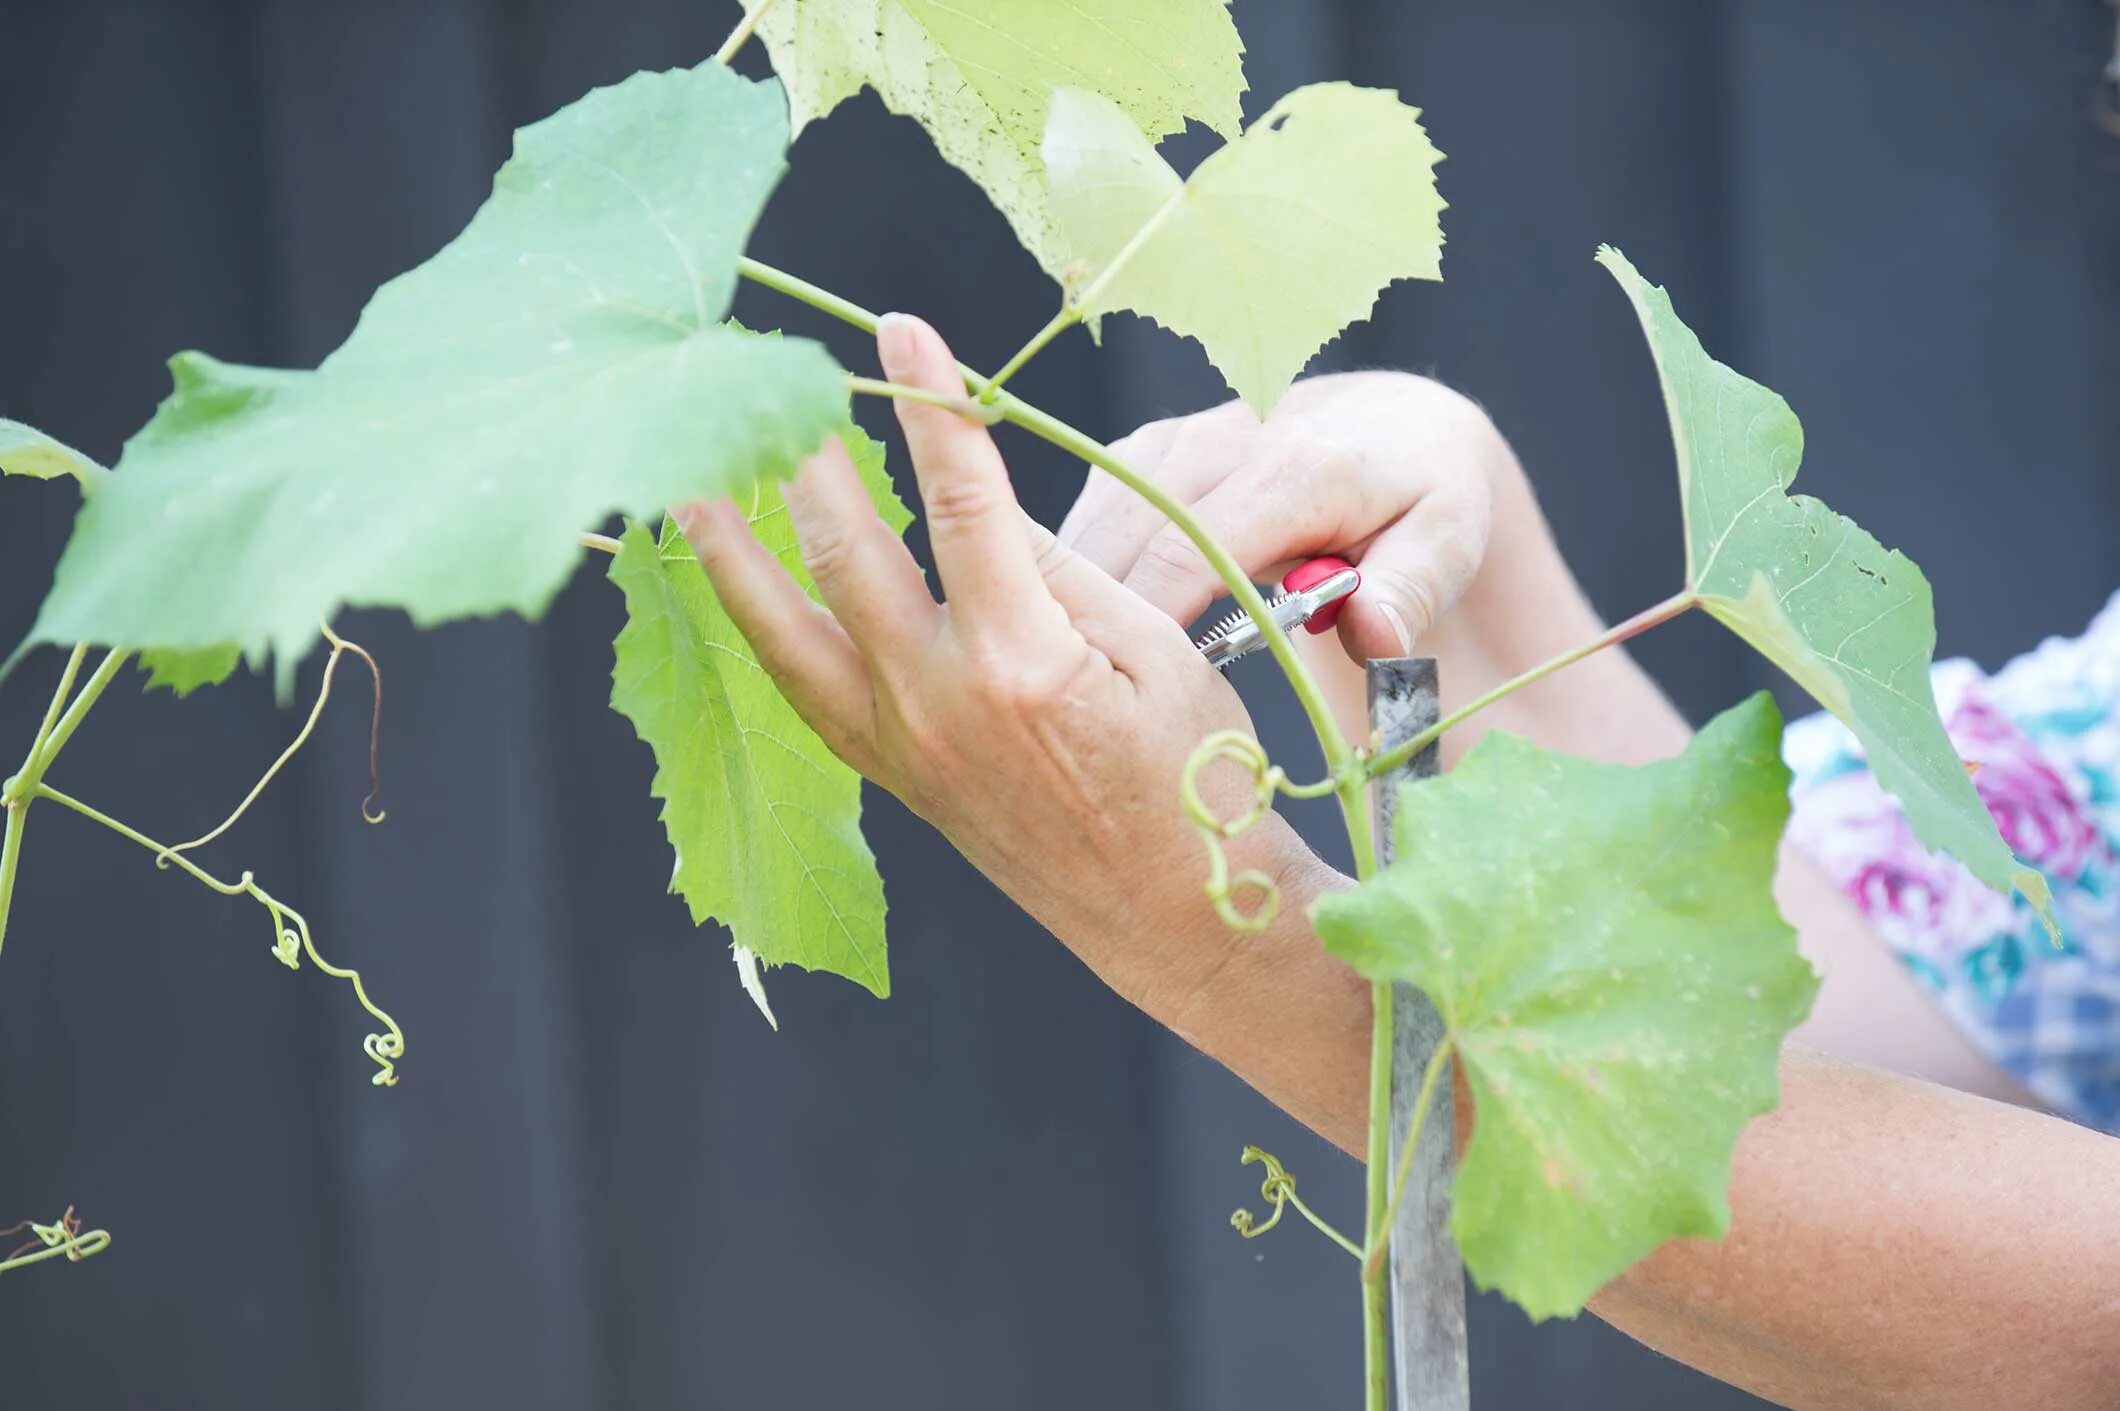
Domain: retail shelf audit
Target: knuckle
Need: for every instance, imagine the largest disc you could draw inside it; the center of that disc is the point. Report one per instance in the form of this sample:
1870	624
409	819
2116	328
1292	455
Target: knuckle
826	553
1005	681
958	499
1168	560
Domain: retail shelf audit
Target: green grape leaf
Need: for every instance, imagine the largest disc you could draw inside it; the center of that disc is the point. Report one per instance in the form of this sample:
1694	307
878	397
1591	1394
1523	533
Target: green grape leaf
1602	943
1848	620
186	671
562	359
978	74
1275	244
765	821
24	450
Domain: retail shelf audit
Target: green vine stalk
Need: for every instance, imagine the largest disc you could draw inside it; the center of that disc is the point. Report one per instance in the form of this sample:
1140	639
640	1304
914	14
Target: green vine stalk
1349	772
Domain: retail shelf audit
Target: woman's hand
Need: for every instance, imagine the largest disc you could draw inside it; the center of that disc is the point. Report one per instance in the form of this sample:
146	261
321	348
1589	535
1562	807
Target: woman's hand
1039	718
1390	470
1414	483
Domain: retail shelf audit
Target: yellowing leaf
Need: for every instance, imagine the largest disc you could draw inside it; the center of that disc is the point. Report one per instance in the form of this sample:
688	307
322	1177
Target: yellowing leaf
561	359
1848	620
24	450
1602	944
978	74
1274	245
765	821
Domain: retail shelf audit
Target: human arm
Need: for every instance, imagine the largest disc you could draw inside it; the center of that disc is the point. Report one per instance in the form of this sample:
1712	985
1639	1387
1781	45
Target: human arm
1415	483
1040	720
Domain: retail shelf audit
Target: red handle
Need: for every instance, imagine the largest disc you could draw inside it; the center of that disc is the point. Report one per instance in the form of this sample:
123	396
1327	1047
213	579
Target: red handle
1310	575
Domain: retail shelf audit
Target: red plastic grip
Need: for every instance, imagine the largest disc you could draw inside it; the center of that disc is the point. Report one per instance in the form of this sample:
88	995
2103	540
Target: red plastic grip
1309	575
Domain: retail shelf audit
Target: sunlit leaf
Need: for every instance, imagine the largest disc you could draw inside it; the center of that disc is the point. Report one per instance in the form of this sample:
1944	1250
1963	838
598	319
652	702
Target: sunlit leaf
765	821
1276	242
978	74
1602	943
1849	620
561	359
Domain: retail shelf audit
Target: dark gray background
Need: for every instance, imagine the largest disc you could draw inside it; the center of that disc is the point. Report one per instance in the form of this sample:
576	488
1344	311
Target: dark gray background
603	1183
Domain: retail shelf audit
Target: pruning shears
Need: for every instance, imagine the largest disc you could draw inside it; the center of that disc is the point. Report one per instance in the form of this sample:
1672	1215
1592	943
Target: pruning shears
1311	597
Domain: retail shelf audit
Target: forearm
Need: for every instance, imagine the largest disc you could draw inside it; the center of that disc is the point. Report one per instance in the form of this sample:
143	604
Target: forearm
1894	1245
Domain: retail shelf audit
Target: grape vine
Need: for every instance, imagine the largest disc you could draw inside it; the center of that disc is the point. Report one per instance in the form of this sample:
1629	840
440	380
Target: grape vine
568	357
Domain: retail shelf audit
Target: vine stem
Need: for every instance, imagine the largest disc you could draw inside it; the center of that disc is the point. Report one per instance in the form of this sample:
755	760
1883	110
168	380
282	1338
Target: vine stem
60	722
1438	1063
1350	776
1678	603
740	35
1324	1226
1339	755
1060	323
602	543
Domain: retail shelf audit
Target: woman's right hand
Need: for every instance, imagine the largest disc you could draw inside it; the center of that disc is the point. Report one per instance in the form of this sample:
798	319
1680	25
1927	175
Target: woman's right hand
1413	483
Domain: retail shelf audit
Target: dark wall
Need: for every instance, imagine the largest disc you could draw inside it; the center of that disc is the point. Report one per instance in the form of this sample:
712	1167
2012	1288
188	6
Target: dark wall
602	1182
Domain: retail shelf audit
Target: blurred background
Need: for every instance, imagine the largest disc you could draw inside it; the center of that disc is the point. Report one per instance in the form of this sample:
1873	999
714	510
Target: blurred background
603	1182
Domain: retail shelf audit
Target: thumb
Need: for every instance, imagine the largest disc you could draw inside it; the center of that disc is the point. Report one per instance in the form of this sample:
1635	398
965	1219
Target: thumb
1413	572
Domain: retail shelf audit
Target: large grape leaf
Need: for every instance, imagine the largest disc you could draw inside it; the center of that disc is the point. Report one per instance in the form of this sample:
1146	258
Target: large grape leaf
1277	241
561	359
1850	621
977	74
24	450
1602	943
765	821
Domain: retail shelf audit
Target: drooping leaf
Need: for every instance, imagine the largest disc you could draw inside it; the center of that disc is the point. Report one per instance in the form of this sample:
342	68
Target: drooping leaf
185	671
765	821
978	74
1276	243
1602	943
24	450
561	359
1848	620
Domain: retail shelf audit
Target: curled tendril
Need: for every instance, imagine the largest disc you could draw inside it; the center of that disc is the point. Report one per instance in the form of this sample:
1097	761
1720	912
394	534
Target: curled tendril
1267	781
63	1237
292	941
1277	1189
339	648
291	938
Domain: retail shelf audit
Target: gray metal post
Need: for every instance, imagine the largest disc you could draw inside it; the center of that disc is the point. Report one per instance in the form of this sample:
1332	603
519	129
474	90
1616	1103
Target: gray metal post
1427	1278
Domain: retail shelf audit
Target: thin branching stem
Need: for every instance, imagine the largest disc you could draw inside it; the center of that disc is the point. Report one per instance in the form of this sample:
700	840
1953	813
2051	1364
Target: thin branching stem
739	36
1058	324
602	543
291	935
339	647
1382	764
60	721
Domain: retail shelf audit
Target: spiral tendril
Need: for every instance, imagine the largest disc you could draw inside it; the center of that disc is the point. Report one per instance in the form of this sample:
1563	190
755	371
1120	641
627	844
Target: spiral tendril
291	938
1277	1189
63	1237
1267	781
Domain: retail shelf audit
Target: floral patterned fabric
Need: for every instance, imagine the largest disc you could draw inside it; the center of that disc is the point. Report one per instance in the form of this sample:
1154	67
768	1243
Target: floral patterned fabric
2043	736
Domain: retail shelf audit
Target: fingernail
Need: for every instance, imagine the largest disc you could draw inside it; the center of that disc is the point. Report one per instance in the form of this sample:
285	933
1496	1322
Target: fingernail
1397	622
894	345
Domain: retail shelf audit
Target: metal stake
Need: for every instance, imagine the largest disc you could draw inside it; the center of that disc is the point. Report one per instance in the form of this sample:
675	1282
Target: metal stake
1427	1278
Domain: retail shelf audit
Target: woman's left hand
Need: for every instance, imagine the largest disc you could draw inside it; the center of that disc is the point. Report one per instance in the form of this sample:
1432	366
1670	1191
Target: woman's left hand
1040	717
